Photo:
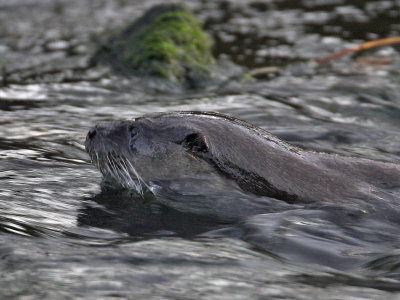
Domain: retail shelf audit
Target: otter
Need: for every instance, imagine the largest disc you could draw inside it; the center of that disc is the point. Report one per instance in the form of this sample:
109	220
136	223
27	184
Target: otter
172	145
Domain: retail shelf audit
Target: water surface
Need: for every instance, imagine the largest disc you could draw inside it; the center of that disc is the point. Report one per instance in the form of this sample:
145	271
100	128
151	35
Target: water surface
63	237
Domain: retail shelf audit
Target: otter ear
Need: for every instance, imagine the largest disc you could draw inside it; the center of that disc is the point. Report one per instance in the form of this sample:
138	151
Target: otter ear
195	142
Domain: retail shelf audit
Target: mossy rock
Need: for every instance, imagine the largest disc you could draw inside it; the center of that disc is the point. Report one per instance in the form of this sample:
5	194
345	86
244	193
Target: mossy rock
166	42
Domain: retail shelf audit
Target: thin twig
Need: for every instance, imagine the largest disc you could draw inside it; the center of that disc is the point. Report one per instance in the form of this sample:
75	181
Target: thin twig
362	47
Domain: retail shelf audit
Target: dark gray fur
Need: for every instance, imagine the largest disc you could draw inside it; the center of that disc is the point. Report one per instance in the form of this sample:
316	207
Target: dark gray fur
258	161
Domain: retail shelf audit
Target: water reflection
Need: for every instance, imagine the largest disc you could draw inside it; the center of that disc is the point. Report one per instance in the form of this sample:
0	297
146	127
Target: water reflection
137	217
342	238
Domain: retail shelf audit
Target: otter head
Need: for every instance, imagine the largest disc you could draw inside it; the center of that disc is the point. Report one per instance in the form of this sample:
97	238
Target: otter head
151	148
210	148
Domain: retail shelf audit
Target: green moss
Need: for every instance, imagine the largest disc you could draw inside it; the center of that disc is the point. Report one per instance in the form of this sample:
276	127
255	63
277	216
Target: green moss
166	42
247	77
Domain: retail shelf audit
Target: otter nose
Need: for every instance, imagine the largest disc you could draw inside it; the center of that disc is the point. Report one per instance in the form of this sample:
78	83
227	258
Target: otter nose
91	133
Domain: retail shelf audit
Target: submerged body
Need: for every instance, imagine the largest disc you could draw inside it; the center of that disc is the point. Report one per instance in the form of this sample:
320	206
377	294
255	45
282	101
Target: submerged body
171	146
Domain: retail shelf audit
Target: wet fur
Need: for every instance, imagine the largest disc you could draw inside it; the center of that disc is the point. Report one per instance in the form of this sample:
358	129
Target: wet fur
258	161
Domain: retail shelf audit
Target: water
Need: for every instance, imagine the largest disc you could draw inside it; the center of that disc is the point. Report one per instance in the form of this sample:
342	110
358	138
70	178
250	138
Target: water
63	237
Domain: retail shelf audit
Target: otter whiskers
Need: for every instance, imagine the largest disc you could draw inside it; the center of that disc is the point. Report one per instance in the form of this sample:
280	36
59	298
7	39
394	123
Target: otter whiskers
120	169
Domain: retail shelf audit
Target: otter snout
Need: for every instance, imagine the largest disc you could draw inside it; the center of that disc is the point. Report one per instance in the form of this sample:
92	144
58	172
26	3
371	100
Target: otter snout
91	133
92	139
89	138
105	136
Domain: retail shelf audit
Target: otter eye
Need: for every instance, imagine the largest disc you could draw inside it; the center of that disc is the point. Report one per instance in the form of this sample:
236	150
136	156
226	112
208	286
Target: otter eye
133	130
195	142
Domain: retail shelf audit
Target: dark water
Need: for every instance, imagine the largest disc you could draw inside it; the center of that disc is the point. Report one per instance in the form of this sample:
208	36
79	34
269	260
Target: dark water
63	238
